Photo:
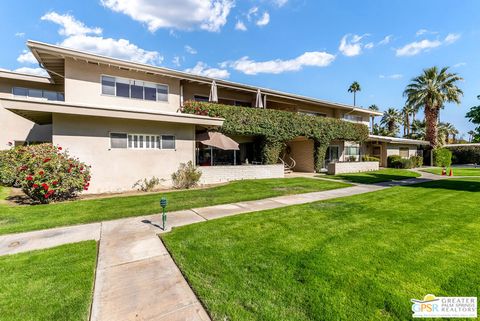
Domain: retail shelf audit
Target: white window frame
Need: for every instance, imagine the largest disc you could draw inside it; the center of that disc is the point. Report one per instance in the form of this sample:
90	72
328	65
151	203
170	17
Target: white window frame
159	136
358	117
311	113
174	140
40	98
130	80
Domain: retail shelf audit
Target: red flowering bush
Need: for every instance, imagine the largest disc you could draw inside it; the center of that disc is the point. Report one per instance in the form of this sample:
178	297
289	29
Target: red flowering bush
47	173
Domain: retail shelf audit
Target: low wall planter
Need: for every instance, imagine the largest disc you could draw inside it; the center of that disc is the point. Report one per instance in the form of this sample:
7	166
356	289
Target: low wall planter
352	167
221	174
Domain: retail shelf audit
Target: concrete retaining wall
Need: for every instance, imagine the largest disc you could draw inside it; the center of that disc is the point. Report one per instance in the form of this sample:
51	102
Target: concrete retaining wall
221	174
352	167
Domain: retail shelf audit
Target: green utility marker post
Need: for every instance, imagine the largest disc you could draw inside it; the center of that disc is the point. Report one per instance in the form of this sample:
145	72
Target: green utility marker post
163	204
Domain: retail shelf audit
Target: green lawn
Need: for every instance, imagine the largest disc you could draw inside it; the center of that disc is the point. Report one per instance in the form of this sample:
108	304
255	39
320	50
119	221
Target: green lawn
356	258
383	175
27	218
456	171
53	284
4	193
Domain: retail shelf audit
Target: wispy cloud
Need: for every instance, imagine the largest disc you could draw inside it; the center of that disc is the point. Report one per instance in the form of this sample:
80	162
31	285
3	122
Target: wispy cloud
422	32
240	25
277	66
386	40
392	76
203	69
190	50
280	3
460	64
417	47
264	19
351	45
20	34
32	71
70	25
27	58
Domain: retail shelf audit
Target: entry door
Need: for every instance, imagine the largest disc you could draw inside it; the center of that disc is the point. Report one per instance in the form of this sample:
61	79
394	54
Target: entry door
333	153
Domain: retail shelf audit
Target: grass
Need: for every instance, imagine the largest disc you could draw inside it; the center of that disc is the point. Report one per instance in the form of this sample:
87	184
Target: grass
355	258
52	284
27	218
383	175
456	171
4	193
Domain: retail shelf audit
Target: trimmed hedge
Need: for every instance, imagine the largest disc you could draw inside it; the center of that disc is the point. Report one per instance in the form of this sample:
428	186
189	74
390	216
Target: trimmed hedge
442	157
396	161
465	154
277	127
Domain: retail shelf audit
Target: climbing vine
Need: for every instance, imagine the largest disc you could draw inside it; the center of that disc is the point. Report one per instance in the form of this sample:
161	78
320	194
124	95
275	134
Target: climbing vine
277	127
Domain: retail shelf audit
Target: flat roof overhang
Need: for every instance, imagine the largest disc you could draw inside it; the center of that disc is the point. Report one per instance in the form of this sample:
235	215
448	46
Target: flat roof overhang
396	140
41	112
52	59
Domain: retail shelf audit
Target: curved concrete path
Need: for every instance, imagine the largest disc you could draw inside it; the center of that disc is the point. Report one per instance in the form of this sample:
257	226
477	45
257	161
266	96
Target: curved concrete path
136	278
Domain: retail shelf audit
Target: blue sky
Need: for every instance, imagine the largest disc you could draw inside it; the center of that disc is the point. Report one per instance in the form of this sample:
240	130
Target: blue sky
313	48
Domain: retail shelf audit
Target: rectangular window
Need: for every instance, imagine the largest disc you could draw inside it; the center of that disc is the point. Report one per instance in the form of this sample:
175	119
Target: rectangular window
50	95
353	118
168	142
352	151
312	113
150	91
162	93
136	89
118	140
108	85
404	152
37	93
18	91
200	98
123	87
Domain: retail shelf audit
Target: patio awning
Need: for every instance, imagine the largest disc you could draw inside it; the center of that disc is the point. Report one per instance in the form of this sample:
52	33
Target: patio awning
259	100
217	140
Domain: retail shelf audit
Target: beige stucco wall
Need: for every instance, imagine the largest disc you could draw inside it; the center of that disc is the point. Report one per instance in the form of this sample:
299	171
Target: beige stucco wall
115	170
352	167
16	128
221	174
302	152
394	149
83	86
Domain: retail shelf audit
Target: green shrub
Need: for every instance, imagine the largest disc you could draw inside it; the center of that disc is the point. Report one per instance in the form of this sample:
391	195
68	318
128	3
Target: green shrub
368	158
406	163
47	173
465	154
147	185
417	161
393	161
442	157
276	127
186	176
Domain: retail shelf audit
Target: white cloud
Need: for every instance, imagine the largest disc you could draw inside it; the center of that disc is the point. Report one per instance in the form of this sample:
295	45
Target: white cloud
280	3
392	76
78	38
421	32
369	45
451	38
386	40
118	48
177	61
252	12
416	47
32	71
264	20
27	58
351	45
20	34
70	25
240	26
210	15
190	50
277	66
202	69
460	64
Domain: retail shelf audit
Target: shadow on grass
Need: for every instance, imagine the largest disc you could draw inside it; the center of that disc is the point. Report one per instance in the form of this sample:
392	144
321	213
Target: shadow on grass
464	184
371	178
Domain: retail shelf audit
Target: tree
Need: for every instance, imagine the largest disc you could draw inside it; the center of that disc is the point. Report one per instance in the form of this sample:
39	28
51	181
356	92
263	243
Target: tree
391	120
445	131
430	91
406	111
417	129
471	134
373	108
474	117
354	87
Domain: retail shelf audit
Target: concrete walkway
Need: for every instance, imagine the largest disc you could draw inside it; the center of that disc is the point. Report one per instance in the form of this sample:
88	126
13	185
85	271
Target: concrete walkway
136	278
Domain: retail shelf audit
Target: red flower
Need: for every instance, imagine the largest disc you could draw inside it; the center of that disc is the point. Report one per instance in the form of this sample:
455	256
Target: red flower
49	193
45	186
23	167
46	160
54	183
81	168
41	173
29	178
35	185
69	170
59	148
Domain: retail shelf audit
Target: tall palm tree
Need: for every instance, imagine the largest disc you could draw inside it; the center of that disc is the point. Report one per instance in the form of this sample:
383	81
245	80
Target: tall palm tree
354	87
450	130
430	91
471	134
391	119
373	108
406	111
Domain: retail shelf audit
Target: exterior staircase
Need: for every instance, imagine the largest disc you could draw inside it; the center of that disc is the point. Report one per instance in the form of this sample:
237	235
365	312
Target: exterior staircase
288	163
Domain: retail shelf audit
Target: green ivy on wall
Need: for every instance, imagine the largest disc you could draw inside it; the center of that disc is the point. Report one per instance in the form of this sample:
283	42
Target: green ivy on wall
277	127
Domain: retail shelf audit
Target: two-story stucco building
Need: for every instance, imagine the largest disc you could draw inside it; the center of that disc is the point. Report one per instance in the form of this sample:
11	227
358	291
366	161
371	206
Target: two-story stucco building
124	118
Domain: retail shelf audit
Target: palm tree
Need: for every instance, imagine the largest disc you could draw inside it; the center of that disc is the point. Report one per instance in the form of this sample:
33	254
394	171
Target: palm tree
418	129
354	87
373	108
450	130
430	91
391	119
471	134
406	111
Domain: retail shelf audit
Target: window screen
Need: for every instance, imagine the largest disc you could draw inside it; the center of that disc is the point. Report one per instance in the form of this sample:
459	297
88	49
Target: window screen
404	152
123	87
162	93
118	140
168	142
108	85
